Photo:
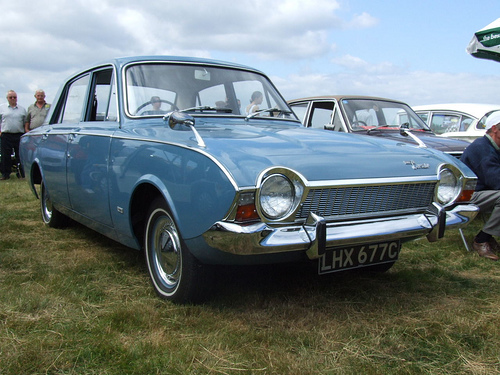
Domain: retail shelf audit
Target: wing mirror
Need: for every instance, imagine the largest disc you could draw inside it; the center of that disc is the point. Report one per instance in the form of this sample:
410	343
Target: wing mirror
179	120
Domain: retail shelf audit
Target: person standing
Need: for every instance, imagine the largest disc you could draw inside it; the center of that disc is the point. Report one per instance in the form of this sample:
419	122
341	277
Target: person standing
483	157
12	122
36	112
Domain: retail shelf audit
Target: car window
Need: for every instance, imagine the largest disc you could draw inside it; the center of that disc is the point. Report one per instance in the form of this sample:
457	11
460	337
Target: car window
444	123
75	100
189	87
337	122
300	110
243	91
364	114
465	123
481	124
103	107
214	96
424	116
321	115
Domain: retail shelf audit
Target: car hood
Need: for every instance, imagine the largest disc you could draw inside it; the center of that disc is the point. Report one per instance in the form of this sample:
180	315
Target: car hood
431	140
245	151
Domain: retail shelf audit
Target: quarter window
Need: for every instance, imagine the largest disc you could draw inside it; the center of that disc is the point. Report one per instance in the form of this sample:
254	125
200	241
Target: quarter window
300	111
75	101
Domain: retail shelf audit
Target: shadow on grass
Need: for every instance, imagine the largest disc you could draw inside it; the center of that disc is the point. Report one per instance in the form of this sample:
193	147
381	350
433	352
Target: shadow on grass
237	286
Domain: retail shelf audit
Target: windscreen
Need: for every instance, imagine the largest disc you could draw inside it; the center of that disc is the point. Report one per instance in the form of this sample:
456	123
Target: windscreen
365	114
155	89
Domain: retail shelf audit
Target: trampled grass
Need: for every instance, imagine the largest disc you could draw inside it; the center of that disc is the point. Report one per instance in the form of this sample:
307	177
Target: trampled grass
74	302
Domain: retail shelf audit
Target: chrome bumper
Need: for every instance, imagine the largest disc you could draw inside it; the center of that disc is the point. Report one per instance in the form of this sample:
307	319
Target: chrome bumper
316	234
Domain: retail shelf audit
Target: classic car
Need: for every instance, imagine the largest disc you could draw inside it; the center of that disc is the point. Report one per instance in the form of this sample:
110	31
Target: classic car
373	116
456	120
195	183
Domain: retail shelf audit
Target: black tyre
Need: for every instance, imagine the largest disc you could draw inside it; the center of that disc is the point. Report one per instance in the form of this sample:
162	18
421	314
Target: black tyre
50	215
175	273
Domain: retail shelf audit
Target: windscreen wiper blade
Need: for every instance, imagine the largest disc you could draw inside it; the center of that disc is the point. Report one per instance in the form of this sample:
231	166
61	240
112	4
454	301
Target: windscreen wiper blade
272	109
379	127
207	108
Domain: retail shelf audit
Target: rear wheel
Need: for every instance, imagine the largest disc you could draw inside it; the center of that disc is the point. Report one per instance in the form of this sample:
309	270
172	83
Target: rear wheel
175	273
50	216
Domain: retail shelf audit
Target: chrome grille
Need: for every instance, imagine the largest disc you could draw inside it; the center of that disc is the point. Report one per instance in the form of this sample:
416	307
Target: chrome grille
455	154
367	200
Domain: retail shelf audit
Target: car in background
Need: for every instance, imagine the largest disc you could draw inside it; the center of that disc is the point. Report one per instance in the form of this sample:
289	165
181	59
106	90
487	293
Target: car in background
456	120
158	154
365	115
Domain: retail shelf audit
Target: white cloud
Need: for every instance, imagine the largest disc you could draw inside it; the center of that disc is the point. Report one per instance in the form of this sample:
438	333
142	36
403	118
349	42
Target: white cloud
414	88
362	21
357	64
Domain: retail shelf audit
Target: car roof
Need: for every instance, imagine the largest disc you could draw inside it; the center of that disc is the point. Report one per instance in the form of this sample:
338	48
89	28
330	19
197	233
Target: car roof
476	110
343	97
122	61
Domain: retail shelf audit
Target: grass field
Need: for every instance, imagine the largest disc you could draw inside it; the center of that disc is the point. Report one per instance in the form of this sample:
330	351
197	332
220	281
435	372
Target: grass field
74	302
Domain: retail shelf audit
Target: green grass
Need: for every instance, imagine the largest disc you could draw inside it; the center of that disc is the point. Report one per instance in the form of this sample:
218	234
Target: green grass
74	302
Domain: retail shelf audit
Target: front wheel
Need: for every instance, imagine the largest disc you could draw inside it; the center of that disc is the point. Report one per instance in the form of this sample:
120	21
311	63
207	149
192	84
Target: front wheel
175	273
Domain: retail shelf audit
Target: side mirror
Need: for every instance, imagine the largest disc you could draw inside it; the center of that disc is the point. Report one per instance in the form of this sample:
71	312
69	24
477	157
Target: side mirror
179	120
404	128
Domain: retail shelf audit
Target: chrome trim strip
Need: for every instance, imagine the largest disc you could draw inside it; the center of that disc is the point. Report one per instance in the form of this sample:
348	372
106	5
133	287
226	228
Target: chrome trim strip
261	238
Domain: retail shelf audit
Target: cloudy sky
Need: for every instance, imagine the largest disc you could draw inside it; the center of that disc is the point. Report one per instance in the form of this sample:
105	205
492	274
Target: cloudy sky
408	50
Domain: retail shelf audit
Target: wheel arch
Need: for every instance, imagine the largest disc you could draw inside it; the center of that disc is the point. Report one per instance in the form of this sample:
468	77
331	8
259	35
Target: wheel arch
144	194
35	177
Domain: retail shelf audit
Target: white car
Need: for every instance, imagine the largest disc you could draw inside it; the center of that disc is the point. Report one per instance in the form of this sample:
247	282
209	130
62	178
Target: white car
456	120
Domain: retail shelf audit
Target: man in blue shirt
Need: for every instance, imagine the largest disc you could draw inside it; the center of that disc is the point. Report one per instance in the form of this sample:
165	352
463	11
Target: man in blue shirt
483	157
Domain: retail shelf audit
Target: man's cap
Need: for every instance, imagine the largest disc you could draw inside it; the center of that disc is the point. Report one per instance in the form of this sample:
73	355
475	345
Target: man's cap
492	120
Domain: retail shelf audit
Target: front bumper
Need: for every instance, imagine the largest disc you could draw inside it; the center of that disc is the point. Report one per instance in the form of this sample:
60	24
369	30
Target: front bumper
317	235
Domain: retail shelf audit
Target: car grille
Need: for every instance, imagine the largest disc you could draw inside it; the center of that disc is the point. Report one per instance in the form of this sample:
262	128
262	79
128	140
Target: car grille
370	200
455	154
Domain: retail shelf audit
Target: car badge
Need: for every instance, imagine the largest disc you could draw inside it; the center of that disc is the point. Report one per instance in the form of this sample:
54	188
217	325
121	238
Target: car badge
417	166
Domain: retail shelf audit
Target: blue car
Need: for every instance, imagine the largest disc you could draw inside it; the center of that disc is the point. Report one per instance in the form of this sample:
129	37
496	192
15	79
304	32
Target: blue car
201	163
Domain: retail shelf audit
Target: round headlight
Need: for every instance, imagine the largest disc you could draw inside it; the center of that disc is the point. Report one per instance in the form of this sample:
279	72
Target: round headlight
449	186
277	196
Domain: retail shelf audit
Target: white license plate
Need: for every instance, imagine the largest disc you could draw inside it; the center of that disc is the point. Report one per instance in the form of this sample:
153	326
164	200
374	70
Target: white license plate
350	257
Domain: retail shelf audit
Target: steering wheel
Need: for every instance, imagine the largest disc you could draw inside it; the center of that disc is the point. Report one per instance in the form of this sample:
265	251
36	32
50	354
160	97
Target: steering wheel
173	106
359	123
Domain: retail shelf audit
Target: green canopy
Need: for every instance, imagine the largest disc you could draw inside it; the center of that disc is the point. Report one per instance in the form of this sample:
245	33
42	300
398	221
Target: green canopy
486	42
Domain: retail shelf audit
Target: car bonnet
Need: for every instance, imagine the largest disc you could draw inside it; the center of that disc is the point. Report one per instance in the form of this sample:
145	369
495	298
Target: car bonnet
246	151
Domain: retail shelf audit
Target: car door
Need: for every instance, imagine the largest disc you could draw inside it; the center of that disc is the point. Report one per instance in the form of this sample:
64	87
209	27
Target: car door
54	143
89	147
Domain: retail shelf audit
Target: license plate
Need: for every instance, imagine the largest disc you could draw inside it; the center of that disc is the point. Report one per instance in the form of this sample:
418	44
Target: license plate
350	257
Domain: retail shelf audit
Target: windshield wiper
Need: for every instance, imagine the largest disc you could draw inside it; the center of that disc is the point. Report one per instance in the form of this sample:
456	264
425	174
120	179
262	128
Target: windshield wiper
379	127
272	109
207	108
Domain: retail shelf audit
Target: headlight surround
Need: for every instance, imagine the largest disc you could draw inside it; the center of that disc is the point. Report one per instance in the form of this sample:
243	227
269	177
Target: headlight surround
450	185
279	194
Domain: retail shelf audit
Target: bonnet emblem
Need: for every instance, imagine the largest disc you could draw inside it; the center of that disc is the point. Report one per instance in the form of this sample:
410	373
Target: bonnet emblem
417	166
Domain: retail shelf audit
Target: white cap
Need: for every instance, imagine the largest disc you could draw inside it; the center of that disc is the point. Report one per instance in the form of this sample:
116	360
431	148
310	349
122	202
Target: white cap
492	120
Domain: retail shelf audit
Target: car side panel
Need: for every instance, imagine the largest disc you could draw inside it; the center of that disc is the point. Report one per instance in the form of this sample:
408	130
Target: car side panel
87	170
52	155
195	188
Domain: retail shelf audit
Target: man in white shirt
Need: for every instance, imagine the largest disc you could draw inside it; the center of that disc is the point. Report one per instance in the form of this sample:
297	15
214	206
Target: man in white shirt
12	119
